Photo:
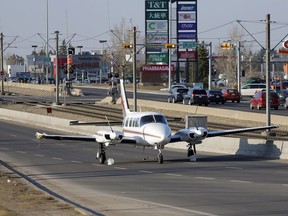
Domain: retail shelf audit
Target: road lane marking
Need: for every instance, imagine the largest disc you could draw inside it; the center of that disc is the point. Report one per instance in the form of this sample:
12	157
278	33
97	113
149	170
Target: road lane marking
240	181
39	155
21	152
145	171
5	149
238	168
206	178
173	174
56	158
76	162
121	168
100	165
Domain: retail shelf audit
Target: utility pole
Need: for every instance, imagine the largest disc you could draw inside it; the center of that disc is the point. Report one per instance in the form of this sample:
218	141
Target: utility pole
210	65
239	66
268	121
134	70
2	64
57	68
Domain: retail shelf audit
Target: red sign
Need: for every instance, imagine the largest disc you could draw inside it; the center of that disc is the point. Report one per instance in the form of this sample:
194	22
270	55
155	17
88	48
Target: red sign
283	51
285	44
187	54
156	68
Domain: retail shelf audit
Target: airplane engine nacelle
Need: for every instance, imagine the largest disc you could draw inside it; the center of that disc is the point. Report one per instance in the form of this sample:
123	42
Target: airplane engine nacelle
192	134
106	136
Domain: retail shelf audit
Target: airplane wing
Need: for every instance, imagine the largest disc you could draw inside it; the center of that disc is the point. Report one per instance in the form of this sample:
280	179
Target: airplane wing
240	130
65	137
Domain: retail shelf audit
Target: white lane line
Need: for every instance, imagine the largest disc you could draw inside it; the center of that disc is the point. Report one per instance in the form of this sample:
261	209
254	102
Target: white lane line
76	162
21	152
238	168
173	174
100	165
145	171
285	185
206	178
56	158
5	149
120	168
39	155
240	181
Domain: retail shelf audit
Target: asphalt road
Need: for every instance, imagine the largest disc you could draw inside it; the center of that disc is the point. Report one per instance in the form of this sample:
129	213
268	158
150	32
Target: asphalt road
214	185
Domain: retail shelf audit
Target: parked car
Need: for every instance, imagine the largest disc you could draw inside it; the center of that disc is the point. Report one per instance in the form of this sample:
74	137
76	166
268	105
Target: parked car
231	94
177	95
196	96
215	96
250	89
259	100
283	94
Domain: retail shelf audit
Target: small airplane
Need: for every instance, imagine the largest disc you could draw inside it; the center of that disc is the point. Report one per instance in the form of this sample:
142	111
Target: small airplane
145	129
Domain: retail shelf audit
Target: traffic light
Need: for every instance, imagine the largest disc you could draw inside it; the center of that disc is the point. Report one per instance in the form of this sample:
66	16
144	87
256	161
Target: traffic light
69	59
110	75
116	75
71	51
71	69
170	46
226	46
127	46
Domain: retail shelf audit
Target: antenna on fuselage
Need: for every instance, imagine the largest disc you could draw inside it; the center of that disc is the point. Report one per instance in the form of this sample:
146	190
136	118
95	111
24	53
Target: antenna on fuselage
109	123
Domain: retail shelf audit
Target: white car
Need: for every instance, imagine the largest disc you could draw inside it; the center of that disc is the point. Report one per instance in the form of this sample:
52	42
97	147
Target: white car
250	89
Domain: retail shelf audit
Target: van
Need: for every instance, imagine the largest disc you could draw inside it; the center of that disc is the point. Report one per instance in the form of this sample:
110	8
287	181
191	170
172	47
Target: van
250	89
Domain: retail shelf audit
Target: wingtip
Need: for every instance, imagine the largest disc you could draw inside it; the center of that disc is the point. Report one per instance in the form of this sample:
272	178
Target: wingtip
39	135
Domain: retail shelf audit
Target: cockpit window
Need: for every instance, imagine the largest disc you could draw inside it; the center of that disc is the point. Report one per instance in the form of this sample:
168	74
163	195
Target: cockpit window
152	119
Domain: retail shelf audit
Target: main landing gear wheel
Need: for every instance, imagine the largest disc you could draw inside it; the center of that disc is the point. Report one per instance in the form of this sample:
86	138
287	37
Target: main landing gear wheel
102	158
191	152
101	155
160	158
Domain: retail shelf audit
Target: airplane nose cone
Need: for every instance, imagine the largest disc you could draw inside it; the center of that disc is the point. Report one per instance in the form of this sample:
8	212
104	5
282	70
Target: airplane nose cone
157	133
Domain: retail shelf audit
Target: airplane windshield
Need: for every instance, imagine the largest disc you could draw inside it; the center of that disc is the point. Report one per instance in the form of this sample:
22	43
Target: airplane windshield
152	119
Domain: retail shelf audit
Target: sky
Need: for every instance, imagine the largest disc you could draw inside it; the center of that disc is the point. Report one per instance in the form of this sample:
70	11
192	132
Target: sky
24	23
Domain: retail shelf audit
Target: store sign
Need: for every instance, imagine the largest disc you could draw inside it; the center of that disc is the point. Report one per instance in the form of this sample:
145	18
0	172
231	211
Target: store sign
157	68
187	7
156	15
187	17
157	37
157	57
187	26
157	25
187	54
157	4
186	35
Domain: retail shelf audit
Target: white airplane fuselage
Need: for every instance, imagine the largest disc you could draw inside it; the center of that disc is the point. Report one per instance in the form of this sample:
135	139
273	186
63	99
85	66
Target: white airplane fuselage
149	128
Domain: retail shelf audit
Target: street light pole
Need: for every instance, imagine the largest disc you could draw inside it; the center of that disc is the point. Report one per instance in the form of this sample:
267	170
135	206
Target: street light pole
2	63
34	59
57	68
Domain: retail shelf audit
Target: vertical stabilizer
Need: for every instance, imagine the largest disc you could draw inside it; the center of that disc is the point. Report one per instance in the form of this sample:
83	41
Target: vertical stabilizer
124	100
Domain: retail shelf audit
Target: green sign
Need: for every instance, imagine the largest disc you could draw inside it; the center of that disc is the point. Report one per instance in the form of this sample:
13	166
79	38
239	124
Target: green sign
189	45
157	57
160	4
47	59
156	15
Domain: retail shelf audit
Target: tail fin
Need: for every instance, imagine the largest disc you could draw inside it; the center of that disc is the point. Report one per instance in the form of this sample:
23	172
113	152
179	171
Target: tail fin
124	100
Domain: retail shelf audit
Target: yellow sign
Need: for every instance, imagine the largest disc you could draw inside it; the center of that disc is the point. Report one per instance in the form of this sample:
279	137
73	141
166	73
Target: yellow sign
127	46
226	46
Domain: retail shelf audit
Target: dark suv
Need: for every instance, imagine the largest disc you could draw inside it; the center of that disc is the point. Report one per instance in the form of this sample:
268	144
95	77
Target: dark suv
177	95
196	96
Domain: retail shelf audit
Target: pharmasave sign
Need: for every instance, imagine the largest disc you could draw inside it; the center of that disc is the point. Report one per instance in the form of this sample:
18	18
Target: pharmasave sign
157	68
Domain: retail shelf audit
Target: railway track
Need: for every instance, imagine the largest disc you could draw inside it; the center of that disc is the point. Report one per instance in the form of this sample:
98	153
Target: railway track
115	114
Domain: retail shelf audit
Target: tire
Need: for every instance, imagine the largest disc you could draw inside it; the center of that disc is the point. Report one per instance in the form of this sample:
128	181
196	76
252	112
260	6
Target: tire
173	100
160	159
206	104
238	101
102	158
169	101
232	101
190	152
286	106
258	107
251	106
276	107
